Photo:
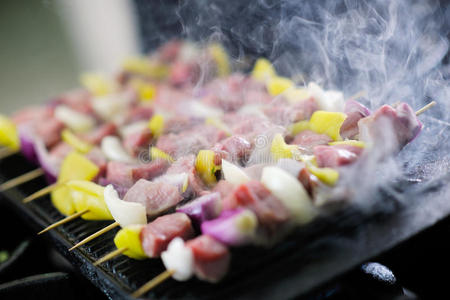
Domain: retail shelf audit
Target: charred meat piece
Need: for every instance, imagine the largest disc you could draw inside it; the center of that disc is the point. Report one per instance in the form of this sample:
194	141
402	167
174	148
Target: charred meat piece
254	195
211	258
156	235
157	197
390	128
125	174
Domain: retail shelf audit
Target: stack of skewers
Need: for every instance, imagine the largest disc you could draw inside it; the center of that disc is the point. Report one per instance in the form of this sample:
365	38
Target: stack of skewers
191	160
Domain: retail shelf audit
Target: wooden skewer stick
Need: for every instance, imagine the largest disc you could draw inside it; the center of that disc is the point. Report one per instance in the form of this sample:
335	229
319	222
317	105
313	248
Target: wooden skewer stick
93	236
425	108
110	255
21	179
43	192
6	152
65	220
153	283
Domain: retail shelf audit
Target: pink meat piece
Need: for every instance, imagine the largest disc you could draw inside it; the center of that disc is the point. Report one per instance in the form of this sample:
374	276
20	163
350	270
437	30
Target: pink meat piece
98	158
137	141
126	175
254	195
78	100
336	156
139	113
32	114
49	131
180	123
157	235
182	73
248	126
223	187
280	112
355	111
96	135
211	258
308	139
60	150
169	51
190	141
234	148
392	128
309	181
186	164
157	197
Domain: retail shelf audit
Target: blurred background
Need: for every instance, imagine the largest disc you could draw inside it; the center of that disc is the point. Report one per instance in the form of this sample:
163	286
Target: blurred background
46	44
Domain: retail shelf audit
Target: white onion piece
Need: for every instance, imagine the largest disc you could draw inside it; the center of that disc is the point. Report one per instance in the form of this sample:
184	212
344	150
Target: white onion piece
198	109
108	107
334	101
290	191
179	258
113	149
125	213
233	173
73	119
132	128
327	100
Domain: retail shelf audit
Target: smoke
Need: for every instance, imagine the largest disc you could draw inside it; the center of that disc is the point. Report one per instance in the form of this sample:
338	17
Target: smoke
392	50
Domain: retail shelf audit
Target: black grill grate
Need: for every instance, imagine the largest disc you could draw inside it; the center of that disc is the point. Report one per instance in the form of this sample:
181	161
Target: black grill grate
300	263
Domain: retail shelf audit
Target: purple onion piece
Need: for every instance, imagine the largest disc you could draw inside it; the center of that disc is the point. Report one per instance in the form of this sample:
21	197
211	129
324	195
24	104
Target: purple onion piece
48	163
355	106
233	227
27	143
204	208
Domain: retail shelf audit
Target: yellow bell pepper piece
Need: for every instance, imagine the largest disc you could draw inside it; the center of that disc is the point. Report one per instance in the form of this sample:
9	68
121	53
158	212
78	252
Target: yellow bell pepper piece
263	70
355	143
8	133
220	56
277	85
156	153
147	92
138	65
326	175
74	141
95	83
279	148
146	67
74	167
88	195
326	122
129	237
156	125
298	127
204	164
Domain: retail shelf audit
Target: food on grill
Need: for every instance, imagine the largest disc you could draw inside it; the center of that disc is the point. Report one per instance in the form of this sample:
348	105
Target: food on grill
125	213
240	158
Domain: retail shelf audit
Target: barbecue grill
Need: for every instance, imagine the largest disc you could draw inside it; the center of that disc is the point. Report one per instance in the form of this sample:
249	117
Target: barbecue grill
304	262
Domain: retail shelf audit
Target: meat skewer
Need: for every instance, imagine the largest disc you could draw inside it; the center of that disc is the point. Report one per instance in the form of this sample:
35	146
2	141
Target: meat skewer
278	195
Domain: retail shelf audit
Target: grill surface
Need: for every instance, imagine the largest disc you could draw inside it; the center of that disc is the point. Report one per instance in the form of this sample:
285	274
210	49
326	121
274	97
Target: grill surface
304	261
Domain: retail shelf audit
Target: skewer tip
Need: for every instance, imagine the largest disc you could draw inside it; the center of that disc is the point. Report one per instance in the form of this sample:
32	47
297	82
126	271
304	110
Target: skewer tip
110	255
63	221
425	108
153	283
95	235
